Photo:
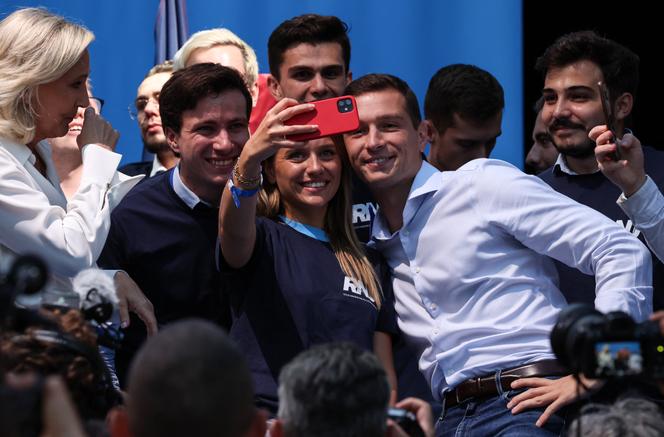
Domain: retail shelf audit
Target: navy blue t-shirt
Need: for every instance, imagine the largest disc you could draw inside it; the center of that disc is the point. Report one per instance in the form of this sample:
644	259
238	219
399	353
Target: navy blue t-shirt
292	294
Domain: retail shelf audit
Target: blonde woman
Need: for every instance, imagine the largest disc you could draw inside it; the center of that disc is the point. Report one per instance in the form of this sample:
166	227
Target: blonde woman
44	65
297	274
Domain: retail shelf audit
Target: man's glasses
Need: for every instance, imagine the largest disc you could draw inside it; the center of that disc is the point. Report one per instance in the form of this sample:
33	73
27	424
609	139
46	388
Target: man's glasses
97	103
139	105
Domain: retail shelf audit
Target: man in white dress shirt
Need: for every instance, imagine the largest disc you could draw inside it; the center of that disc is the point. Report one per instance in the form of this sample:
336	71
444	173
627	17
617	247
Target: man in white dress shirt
474	285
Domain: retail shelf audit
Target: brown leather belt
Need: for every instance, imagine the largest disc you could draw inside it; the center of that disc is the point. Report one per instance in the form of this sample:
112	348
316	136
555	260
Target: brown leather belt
487	386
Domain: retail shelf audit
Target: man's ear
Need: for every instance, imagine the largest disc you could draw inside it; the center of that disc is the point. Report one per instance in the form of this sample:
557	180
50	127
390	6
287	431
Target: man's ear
427	133
349	77
259	425
253	90
274	87
623	106
172	140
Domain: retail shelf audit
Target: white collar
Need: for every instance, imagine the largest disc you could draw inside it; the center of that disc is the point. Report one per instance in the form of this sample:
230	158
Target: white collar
157	166
183	192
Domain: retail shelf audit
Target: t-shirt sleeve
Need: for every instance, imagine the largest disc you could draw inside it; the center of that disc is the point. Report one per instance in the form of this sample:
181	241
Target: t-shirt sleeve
387	317
262	244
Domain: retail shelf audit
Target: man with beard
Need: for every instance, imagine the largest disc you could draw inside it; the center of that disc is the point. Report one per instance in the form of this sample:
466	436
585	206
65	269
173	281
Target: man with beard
572	68
146	112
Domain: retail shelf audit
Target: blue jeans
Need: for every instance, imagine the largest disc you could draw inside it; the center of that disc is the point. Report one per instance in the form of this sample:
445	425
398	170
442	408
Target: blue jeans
490	417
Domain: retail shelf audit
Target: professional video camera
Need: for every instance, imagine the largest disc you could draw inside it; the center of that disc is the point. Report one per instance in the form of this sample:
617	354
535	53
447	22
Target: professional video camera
93	294
609	345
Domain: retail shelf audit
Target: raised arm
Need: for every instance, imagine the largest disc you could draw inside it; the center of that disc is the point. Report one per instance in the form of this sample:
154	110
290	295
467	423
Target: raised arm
641	200
237	212
34	217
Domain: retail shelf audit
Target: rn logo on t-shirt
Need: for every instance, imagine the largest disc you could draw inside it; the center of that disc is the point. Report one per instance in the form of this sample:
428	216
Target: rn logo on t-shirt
357	289
363	213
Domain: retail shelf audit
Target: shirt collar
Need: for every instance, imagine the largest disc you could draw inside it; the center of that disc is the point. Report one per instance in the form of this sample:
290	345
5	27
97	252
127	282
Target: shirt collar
21	152
428	179
157	166
183	192
561	164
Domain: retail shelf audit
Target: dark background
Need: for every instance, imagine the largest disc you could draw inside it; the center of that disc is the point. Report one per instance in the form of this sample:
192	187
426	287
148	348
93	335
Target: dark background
637	25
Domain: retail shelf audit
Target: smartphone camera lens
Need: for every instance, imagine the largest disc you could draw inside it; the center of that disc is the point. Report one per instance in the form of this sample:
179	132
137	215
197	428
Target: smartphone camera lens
345	105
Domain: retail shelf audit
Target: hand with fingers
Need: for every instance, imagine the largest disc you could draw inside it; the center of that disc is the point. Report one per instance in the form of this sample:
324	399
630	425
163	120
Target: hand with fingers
628	172
272	134
422	411
98	131
550	394
132	299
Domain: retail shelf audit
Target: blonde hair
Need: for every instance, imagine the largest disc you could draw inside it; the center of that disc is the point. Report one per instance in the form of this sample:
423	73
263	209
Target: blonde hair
219	37
36	47
338	226
164	67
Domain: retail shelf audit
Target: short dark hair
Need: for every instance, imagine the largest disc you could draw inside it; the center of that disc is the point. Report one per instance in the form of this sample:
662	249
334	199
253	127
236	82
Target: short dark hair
619	65
380	82
190	379
186	87
334	389
306	29
466	90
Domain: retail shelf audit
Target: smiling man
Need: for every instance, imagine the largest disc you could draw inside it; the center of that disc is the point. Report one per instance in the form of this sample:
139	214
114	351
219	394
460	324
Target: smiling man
572	67
309	57
164	233
469	251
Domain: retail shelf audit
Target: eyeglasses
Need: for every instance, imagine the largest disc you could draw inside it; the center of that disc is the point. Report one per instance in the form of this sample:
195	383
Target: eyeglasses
139	106
97	103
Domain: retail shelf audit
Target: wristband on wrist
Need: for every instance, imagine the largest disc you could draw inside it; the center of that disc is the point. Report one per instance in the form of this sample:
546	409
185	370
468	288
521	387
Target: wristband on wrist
237	192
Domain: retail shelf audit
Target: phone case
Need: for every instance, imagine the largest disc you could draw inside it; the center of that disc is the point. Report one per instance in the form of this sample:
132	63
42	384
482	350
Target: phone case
333	116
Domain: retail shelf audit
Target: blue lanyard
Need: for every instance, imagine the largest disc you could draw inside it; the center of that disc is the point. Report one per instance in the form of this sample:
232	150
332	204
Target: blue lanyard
309	231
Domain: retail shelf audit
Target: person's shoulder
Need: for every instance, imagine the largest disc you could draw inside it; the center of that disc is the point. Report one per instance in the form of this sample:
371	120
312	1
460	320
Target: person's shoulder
154	188
136	168
485	168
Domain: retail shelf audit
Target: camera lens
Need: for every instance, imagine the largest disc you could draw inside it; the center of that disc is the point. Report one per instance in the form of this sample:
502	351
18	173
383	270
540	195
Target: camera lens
571	331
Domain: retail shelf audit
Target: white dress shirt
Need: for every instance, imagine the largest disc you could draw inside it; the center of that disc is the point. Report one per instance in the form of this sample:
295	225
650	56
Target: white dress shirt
474	286
36	218
646	209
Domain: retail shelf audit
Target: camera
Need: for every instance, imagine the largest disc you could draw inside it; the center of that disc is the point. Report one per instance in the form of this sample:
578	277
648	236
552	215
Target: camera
608	345
345	105
406	420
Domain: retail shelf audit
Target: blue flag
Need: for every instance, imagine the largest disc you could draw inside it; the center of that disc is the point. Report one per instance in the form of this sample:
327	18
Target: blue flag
171	29
170	33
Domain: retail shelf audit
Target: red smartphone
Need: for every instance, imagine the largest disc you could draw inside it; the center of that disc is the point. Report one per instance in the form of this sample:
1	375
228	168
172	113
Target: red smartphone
608	117
333	116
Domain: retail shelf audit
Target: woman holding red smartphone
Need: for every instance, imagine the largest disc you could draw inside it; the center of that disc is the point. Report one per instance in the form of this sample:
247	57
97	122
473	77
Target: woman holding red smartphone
297	273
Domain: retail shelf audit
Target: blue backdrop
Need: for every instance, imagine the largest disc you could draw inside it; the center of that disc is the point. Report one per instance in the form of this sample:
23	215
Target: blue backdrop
410	39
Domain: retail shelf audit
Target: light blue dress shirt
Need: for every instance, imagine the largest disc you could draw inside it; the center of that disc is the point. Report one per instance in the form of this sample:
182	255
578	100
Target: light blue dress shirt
474	285
646	209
